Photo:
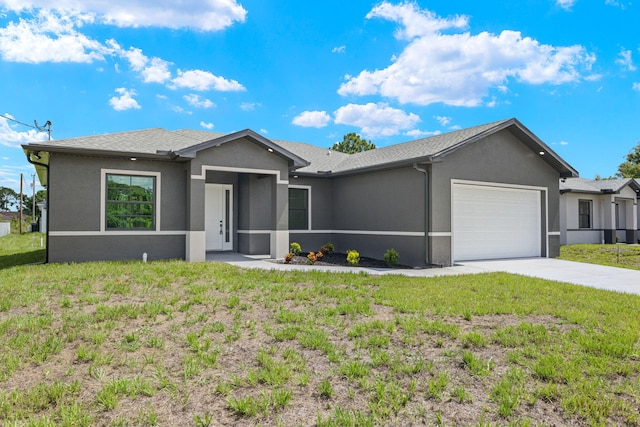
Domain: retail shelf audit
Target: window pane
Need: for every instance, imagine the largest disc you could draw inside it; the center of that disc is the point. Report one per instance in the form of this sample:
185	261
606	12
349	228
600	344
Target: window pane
298	220
298	209
130	202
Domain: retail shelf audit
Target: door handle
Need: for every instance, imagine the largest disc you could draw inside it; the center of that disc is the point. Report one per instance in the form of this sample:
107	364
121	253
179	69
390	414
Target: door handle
221	227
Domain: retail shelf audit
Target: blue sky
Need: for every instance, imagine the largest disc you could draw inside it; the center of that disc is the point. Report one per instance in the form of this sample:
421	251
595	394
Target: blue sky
314	71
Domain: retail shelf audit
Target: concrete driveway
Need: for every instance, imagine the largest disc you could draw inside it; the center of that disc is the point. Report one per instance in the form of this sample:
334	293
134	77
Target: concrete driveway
595	276
578	273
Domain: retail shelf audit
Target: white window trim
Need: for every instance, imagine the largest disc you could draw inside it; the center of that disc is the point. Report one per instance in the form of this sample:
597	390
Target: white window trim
308	188
103	198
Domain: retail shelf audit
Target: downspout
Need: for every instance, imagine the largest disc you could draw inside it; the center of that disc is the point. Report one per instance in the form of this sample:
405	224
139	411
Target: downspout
427	214
46	166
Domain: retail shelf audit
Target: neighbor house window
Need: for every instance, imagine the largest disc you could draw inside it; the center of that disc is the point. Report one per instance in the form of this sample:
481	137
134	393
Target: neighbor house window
130	203
298	208
584	213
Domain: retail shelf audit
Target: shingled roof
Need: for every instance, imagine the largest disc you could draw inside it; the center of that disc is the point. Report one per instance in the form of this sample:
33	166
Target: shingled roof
306	158
597	186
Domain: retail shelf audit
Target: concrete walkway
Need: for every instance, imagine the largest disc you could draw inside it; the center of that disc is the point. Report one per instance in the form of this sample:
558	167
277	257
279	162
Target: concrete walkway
596	276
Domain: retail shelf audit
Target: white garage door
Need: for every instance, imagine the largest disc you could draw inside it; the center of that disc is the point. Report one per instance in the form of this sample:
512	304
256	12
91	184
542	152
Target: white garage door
495	222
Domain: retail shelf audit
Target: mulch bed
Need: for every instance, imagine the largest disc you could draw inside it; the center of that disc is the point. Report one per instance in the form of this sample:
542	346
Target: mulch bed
340	259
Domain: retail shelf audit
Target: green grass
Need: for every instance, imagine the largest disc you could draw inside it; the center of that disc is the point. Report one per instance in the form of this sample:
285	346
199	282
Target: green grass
625	256
20	249
175	343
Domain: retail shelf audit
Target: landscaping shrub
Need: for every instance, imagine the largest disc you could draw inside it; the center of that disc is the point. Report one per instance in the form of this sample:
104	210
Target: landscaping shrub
296	248
312	258
288	257
391	257
353	257
327	248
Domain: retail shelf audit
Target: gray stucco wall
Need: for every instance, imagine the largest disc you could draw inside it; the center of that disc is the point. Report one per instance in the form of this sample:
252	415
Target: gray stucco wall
241	153
499	158
383	203
74	206
115	248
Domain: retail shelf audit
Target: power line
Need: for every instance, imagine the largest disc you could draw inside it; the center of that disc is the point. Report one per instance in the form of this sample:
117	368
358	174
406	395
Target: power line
45	128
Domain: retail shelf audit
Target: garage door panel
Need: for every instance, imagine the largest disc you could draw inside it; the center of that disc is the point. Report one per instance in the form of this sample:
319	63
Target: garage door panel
495	222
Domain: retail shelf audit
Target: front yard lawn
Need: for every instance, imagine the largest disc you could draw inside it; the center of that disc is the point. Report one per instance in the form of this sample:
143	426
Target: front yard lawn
195	344
18	249
626	256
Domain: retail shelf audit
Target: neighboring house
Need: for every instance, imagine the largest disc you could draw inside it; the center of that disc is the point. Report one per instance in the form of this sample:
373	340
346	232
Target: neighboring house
599	211
490	191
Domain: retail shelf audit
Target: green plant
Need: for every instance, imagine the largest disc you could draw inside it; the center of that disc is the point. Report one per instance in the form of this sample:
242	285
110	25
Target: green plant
353	257
327	248
295	248
325	389
391	257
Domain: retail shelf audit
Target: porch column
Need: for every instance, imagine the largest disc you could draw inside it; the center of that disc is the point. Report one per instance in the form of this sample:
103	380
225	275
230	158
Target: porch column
609	224
196	237
632	221
280	218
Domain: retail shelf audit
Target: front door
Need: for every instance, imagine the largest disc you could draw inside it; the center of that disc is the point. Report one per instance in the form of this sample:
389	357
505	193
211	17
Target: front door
218	217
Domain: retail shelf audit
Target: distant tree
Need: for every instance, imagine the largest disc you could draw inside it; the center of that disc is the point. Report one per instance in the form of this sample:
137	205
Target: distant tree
353	143
27	200
630	168
8	198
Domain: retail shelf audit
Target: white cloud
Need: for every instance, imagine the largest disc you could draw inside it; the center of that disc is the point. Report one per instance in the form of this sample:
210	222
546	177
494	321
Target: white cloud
459	68
625	60
125	101
264	131
49	37
376	119
339	49
195	101
566	4
636	86
207	15
315	119
443	120
204	81
616	3
206	125
152	70
417	133
10	137
249	106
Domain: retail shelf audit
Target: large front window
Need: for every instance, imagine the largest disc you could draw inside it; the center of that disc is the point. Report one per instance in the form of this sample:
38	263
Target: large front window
130	203
298	208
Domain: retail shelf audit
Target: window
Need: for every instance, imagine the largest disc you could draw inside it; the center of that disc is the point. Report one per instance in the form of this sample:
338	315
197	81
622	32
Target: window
584	213
298	208
130	203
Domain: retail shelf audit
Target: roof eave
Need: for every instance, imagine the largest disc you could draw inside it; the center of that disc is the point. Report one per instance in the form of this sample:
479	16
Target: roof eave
95	152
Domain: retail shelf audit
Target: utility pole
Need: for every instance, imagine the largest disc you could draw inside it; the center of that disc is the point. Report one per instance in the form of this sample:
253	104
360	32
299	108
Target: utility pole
33	198
20	226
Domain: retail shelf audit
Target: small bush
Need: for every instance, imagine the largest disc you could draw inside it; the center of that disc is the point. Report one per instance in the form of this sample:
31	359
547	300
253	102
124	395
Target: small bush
327	248
391	257
353	257
296	248
288	257
312	258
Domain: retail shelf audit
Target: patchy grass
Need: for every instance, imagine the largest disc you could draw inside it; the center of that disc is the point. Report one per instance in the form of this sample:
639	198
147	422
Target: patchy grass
19	249
625	256
175	343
